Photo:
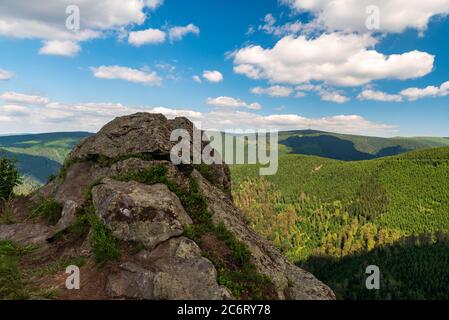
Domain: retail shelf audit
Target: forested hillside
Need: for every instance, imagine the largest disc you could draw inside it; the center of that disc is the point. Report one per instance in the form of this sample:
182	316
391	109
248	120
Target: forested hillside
335	218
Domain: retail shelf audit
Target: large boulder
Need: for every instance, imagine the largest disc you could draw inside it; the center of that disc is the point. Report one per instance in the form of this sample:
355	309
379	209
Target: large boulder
137	133
136	212
25	233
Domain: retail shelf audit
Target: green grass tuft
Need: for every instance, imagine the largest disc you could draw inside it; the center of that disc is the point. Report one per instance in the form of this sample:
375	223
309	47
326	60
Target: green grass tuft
104	245
12	284
58	266
8	211
48	209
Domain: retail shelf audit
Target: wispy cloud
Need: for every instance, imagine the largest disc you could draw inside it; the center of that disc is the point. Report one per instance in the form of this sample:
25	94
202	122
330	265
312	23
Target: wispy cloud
20	98
5	75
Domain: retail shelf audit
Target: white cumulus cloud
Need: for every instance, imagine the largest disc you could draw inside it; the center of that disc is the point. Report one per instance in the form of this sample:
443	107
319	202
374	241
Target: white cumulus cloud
46	20
213	76
413	94
148	36
65	48
351	15
178	32
349	60
153	4
127	74
333	96
379	96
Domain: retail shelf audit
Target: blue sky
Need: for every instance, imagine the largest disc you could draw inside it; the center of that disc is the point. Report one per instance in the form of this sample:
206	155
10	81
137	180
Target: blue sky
290	64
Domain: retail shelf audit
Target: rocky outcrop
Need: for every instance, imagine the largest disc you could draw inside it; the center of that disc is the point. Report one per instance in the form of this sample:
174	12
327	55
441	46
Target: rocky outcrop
168	265
116	144
149	214
137	133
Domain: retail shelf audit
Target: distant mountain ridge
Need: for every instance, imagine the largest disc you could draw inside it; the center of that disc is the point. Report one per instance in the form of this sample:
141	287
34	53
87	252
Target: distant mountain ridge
352	147
41	155
41	138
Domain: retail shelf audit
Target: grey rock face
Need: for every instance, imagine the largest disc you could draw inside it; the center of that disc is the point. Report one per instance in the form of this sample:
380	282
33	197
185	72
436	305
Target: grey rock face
173	271
25	233
132	282
220	171
138	212
68	215
137	133
80	176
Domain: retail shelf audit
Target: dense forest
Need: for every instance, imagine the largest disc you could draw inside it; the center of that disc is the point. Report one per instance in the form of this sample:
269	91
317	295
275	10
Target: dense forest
335	218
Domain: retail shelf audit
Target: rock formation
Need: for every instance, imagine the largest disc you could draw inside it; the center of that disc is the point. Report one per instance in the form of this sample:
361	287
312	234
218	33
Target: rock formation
177	230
